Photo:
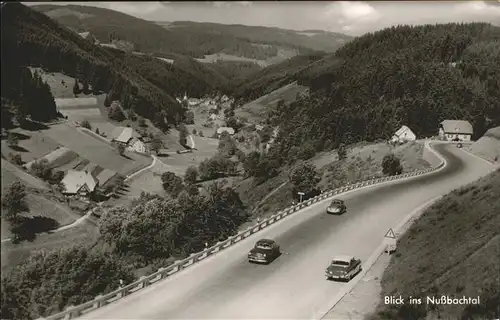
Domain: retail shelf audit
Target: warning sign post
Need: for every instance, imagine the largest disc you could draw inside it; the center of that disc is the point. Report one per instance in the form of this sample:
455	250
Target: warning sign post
390	240
390	234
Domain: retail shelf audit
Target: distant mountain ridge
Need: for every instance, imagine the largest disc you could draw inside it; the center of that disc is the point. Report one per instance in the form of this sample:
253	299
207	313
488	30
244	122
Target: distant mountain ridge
207	42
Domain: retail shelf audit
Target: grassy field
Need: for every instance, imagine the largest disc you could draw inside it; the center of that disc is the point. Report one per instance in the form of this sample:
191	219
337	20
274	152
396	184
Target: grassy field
12	254
11	173
453	249
61	85
96	151
256	110
205	148
32	145
365	160
40	206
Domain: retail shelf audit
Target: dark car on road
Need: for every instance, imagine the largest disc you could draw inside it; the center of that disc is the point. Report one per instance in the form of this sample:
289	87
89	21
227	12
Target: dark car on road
337	206
343	268
459	144
265	251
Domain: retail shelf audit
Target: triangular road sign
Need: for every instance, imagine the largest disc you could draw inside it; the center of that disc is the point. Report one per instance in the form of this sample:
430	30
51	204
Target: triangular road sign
390	234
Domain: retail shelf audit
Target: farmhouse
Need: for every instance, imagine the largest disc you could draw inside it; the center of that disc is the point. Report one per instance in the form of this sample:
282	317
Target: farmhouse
128	137
403	134
79	183
455	129
136	145
225	129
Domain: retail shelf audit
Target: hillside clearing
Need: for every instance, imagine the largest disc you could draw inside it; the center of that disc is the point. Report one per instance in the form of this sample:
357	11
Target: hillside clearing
256	111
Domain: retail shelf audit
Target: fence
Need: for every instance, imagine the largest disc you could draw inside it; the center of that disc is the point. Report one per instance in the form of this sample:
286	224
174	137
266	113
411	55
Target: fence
72	312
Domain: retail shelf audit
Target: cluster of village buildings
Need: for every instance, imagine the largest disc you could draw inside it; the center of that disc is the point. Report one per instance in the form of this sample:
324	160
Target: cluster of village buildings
84	182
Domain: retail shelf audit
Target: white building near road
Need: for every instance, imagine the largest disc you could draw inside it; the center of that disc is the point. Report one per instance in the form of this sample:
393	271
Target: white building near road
136	145
455	129
404	134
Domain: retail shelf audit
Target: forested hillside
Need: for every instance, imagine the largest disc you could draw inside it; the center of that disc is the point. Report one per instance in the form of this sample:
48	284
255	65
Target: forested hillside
189	38
273	77
142	83
184	75
416	76
31	38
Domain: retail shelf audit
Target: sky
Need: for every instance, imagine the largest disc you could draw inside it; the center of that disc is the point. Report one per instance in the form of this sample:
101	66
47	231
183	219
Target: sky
349	17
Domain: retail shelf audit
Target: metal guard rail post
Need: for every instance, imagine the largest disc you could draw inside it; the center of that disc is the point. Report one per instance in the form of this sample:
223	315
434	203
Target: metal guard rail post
72	312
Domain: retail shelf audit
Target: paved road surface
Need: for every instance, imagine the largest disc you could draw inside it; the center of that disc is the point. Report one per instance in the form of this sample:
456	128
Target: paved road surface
293	287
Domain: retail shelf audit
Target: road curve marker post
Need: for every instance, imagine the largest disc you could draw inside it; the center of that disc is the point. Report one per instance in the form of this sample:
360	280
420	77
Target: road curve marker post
162	273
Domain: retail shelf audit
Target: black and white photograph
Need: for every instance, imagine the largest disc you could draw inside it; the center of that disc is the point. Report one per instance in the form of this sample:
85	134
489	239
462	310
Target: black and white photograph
250	160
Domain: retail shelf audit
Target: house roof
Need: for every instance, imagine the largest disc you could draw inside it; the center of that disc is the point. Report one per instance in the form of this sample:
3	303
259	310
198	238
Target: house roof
457	126
74	180
124	134
402	130
104	176
225	129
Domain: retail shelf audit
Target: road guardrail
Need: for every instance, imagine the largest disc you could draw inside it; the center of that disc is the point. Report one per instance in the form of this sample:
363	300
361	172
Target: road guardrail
99	301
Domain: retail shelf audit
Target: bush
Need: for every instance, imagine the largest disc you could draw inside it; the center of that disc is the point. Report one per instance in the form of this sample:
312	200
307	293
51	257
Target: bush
172	184
191	175
16	159
42	169
14	201
86	124
12	140
391	165
115	112
304	178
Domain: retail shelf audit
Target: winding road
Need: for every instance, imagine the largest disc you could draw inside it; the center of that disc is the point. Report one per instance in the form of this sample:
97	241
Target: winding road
226	286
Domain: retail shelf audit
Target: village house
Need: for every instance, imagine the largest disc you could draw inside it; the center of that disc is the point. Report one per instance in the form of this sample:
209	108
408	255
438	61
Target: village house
136	145
128	137
225	129
79	183
403	134
455	130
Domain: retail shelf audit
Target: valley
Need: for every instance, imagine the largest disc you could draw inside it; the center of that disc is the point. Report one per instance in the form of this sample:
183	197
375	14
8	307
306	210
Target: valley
126	148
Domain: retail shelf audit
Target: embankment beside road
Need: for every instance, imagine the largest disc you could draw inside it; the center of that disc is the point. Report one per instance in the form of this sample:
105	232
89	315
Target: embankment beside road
452	250
488	146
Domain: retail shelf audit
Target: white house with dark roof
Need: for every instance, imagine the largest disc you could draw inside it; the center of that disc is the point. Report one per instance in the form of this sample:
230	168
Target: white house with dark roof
79	183
455	129
129	137
136	145
403	134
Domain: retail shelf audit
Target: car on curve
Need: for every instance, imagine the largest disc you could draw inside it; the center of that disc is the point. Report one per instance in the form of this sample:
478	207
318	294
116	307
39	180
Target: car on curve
337	206
343	268
264	251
